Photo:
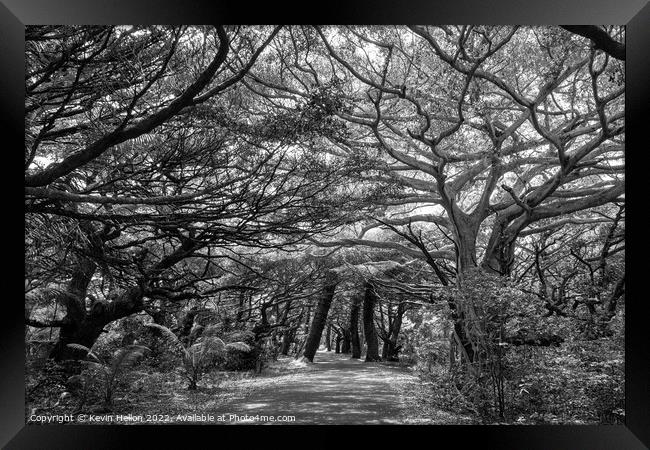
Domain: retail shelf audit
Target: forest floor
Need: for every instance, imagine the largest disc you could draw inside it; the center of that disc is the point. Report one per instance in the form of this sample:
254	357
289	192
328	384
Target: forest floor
333	390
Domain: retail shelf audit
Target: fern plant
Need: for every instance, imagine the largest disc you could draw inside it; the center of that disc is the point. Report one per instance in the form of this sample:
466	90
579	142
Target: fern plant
110	370
200	352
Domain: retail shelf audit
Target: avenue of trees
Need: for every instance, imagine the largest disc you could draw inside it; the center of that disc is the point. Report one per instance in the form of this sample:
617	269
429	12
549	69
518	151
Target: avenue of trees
450	196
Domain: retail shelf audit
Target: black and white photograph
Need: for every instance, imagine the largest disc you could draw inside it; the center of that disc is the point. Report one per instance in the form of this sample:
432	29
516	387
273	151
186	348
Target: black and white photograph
324	225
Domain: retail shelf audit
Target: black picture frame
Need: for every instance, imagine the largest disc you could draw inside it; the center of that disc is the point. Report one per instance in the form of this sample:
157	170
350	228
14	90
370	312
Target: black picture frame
635	14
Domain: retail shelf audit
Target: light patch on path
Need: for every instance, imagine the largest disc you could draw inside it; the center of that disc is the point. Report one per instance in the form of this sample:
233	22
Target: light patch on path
333	390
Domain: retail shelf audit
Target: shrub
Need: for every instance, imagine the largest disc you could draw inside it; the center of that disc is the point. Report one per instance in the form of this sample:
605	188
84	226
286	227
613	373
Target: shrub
107	372
45	380
200	355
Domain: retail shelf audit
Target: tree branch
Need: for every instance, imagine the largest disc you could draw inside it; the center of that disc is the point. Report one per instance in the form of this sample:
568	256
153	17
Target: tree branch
600	38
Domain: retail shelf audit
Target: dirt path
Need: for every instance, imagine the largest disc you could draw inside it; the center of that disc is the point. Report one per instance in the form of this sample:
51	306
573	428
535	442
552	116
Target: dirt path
334	390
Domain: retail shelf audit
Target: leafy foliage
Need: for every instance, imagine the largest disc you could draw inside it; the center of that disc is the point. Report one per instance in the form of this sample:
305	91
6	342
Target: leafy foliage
471	177
108	372
201	353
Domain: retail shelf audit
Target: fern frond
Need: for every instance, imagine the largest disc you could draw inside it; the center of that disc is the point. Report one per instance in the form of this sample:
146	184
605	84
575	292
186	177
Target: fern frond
205	349
79	347
213	345
211	331
244	336
127	355
195	332
241	346
42	295
168	334
89	353
193	356
99	366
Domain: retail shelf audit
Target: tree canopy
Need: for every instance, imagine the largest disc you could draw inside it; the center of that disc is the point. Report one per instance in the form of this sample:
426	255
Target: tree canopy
301	180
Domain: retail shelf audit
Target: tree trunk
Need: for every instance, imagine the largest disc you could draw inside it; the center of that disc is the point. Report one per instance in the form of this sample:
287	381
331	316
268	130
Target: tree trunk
240	310
391	349
78	327
384	350
84	327
500	251
354	327
369	300
345	347
328	338
299	348
287	339
84	333
465	233
397	323
619	291
320	317
307	318
459	329
289	334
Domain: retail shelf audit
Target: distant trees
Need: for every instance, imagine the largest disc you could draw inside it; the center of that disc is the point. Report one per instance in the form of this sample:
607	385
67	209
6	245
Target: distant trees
578	270
355	342
372	340
320	316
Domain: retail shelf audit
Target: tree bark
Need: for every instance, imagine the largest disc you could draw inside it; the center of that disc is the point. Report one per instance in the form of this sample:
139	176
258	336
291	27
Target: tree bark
328	338
307	318
240	311
369	300
534	339
619	291
346	342
320	317
390	349
500	251
77	328
601	39
465	231
85	326
354	327
384	350
459	324
287	339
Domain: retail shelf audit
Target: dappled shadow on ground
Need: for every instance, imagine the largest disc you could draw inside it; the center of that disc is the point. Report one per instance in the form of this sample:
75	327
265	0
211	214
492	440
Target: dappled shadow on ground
334	390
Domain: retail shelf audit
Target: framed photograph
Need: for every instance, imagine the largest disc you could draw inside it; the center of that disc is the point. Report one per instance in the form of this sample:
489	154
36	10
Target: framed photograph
410	219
